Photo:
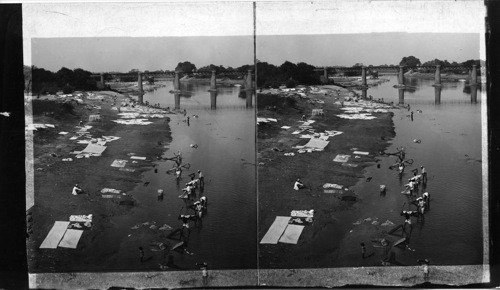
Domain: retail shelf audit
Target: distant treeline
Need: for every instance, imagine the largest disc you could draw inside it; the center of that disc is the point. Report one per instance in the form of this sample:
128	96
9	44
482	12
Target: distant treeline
43	81
289	74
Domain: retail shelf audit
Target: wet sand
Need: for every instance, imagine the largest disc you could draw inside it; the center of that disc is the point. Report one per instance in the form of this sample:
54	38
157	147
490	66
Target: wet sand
321	243
54	180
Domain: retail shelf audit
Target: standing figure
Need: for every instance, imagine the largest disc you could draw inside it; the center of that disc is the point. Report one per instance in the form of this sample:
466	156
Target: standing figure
421	206
204	202
141	254
407	221
178	172
201	178
424	174
204	272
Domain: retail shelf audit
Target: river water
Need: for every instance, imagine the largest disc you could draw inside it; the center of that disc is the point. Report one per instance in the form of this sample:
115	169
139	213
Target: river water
225	135
449	127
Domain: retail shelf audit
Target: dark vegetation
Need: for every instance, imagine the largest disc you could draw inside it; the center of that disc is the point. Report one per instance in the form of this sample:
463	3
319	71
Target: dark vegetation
289	74
190	69
274	101
55	109
43	81
413	62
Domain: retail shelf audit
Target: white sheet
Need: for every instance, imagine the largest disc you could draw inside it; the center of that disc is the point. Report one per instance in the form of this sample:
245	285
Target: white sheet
291	234
275	230
55	235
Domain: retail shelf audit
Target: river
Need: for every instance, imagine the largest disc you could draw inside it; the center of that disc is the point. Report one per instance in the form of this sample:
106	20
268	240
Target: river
225	136
449	127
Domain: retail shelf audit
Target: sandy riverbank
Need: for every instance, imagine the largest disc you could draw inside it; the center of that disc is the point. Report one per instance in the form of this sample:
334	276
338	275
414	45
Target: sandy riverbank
54	178
320	244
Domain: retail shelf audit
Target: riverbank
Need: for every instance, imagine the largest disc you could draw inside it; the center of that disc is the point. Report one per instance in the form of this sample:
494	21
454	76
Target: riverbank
348	82
55	178
321	243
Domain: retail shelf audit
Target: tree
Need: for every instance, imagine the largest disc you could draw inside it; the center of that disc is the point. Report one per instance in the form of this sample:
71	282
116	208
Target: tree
288	70
185	67
64	76
358	64
410	61
471	62
306	74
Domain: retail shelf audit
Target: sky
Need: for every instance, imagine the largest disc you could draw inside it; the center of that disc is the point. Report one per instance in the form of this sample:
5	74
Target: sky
163	53
148	53
368	49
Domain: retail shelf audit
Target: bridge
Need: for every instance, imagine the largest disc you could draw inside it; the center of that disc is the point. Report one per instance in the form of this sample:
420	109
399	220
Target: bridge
437	95
177	87
401	70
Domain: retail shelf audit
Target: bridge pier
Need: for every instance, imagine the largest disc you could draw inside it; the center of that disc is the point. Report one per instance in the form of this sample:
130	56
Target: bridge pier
363	93
213	99
249	96
401	76
325	73
437	95
177	101
213	82
102	81
473	94
437	76
401	93
249	80
177	83
363	77
139	84
473	76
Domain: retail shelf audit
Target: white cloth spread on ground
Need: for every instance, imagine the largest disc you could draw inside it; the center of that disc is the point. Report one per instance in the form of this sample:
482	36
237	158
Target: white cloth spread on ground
138	157
361	152
291	234
341	158
119	163
70	239
110	190
34	127
265	120
81	218
133	122
285	127
356	116
94	149
316	143
55	235
276	230
302	213
332	185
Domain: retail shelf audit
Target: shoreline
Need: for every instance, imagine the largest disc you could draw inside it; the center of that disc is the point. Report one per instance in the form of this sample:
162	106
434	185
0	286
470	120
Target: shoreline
275	169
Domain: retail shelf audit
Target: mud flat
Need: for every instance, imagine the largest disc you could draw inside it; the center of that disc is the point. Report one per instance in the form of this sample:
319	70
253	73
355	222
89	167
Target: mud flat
55	178
320	244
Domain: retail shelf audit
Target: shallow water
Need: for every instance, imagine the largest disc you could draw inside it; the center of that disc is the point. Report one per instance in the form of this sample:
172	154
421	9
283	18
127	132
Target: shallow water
225	136
450	129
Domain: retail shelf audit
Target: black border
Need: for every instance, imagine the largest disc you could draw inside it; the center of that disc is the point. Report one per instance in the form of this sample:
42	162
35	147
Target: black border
13	265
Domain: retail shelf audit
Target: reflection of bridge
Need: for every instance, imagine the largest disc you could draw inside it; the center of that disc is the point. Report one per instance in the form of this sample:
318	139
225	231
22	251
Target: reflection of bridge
247	94
177	87
437	96
401	69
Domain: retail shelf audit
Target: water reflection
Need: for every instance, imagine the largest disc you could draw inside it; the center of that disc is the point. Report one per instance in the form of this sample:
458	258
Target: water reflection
213	100
177	100
401	93
437	95
473	94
